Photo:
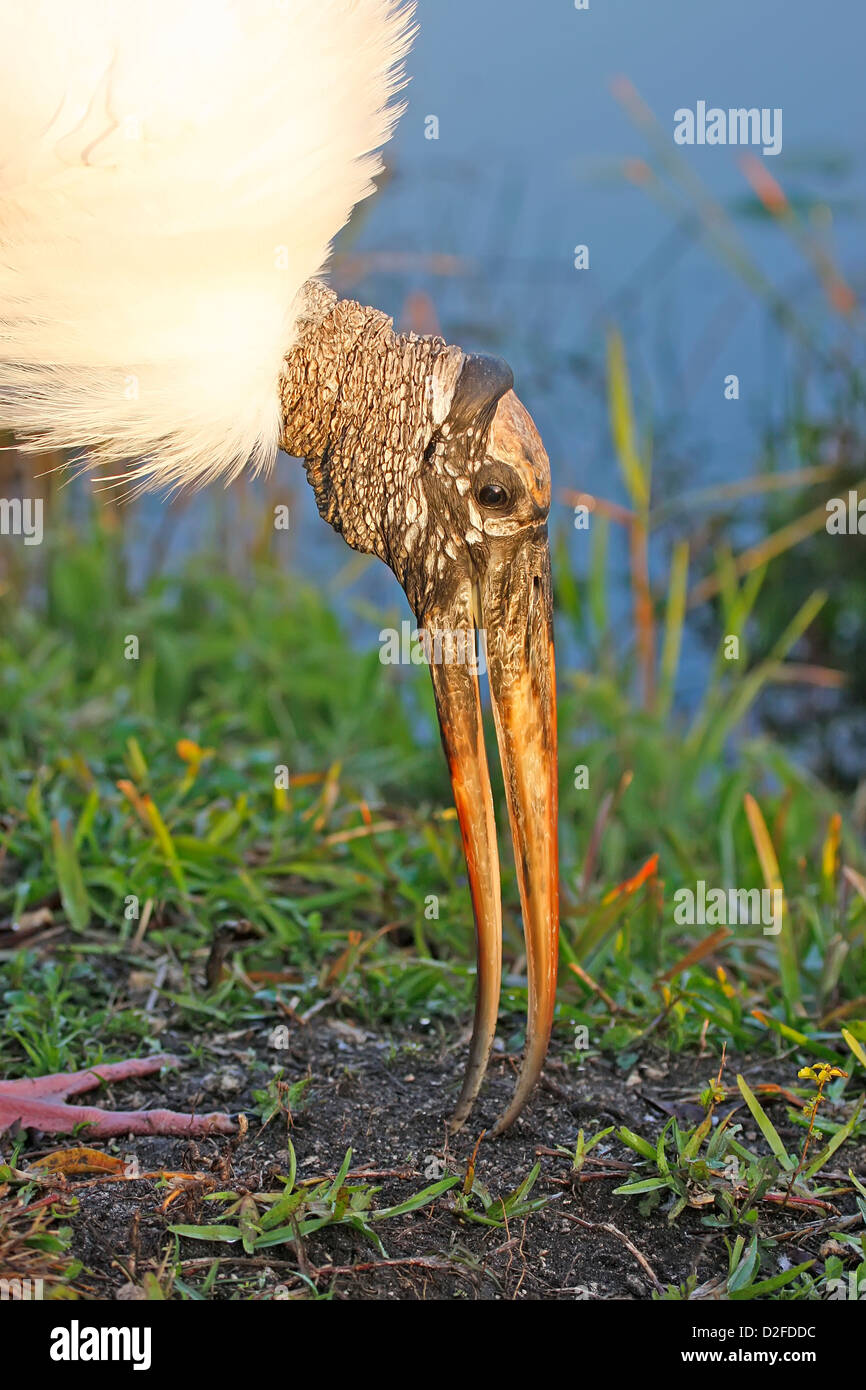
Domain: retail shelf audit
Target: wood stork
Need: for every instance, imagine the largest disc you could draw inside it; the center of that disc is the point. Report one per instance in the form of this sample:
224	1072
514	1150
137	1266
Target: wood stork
171	177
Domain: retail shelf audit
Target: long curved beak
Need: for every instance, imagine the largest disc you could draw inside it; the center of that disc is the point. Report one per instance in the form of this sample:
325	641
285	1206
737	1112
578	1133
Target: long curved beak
458	705
514	596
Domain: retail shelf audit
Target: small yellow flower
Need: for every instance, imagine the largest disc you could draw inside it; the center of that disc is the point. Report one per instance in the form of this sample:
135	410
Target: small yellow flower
190	752
821	1073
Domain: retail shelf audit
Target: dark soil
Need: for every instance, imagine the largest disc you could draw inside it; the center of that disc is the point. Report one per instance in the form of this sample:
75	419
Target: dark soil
388	1100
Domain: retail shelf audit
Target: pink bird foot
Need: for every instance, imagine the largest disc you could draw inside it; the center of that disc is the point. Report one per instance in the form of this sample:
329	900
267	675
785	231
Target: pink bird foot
38	1103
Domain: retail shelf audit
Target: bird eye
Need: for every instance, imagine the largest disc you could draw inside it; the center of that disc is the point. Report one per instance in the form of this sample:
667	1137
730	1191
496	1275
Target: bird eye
492	495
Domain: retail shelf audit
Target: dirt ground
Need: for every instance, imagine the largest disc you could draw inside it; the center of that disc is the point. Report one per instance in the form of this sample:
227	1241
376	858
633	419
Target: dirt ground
387	1099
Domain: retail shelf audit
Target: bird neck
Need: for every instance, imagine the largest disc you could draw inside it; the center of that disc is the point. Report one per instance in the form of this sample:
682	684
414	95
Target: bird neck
359	406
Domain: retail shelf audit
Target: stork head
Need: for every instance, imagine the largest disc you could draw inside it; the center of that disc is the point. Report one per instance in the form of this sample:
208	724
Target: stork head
424	455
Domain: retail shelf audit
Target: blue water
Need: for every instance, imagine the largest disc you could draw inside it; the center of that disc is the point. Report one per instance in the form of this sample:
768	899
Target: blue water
528	164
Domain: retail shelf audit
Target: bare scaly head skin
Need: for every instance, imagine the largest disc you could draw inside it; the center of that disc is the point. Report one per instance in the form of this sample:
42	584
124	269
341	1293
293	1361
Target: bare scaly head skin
423	455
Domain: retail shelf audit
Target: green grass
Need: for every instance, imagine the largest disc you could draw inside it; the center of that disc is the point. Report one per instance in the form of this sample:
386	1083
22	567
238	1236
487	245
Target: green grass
138	802
708	1167
139	805
143	838
142	830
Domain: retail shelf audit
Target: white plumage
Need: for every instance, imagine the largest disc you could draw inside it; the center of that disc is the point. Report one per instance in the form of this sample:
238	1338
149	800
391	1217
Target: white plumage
171	172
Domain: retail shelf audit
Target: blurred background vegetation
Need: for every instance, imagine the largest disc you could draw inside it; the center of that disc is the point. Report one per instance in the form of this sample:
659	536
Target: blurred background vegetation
153	779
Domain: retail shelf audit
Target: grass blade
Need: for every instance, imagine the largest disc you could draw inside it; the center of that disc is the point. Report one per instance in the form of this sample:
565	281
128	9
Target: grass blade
765	1124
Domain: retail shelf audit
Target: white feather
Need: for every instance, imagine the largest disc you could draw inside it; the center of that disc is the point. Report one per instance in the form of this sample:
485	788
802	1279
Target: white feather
171	172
